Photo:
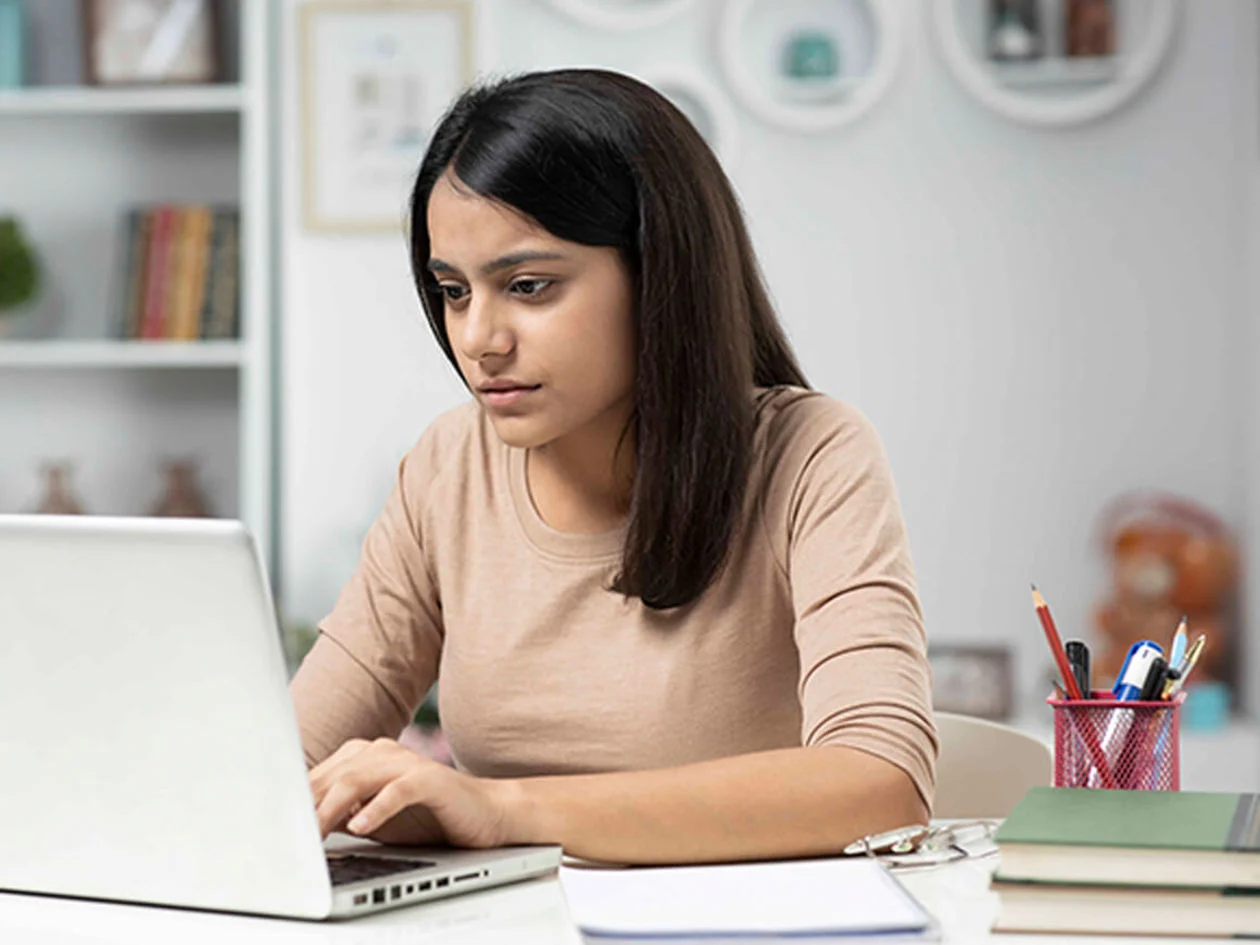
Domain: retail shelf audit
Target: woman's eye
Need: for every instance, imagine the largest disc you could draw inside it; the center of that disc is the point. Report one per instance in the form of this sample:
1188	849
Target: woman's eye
530	287
451	292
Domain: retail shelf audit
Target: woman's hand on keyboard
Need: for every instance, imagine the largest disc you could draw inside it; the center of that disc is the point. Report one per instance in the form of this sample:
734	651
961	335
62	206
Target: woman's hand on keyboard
381	790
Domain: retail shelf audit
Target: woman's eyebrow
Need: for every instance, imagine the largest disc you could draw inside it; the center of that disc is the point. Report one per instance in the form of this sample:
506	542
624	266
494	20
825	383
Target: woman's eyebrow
503	262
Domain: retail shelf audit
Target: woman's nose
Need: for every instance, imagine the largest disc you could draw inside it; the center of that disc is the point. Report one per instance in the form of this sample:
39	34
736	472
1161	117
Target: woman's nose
484	332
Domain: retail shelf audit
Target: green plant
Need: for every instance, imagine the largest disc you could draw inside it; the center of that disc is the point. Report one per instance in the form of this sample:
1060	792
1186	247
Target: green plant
297	637
427	714
19	270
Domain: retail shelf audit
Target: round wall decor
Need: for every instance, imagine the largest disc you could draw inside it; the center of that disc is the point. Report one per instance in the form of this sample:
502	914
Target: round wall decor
622	14
702	101
1048	88
810	65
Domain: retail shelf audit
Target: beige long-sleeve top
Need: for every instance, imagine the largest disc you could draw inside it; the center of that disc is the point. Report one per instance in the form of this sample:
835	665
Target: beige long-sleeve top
811	635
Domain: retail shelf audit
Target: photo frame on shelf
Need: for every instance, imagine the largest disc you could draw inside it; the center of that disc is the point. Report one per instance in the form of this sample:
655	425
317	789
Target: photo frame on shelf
1092	57
810	66
622	14
152	42
375	78
972	679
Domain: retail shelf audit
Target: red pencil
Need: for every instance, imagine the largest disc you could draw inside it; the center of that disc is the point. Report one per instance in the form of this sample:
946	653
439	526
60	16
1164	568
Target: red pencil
1056	645
1069	681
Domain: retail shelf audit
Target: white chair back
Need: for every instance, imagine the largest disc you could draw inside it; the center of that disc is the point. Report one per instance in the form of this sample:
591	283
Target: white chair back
984	768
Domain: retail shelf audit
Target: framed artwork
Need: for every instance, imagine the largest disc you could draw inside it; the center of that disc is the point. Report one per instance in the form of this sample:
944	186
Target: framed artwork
152	42
375	79
972	680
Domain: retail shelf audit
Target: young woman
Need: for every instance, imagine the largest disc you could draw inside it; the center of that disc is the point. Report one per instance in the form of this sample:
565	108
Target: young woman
665	586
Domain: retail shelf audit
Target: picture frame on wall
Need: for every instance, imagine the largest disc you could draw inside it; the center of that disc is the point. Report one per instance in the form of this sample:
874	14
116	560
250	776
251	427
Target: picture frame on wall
972	679
152	42
375	79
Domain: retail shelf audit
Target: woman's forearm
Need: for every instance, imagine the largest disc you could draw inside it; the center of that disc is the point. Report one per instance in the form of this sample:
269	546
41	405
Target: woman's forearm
776	804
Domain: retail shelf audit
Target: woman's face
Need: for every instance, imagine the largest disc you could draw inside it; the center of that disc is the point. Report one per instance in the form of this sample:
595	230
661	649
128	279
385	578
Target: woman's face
542	329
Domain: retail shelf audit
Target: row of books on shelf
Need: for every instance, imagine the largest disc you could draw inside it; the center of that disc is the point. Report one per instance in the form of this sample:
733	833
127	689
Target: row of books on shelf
181	273
1086	861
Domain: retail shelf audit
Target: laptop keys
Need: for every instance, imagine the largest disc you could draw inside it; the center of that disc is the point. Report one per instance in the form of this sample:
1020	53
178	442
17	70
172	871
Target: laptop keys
353	867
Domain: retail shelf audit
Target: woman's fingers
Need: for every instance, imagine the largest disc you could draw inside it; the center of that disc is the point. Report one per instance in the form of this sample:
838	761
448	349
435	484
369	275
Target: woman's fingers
400	793
351	782
324	773
339	801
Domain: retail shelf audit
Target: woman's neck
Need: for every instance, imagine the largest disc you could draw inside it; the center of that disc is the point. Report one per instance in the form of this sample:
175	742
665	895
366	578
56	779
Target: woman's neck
582	482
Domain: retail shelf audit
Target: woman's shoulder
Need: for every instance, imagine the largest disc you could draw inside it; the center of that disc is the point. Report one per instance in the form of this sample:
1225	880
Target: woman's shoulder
797	421
814	452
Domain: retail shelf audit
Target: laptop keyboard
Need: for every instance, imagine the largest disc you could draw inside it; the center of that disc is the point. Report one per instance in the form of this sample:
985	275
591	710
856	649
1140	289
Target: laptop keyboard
353	867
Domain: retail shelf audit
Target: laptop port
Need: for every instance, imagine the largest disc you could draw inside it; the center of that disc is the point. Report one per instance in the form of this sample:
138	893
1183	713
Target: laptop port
426	885
360	899
395	892
460	879
444	881
378	894
410	888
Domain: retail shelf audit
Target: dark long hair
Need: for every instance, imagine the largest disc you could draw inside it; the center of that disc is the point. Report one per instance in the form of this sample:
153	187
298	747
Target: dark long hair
601	159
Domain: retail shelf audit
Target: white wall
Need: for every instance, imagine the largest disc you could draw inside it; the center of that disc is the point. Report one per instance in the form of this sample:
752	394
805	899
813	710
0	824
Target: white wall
1035	320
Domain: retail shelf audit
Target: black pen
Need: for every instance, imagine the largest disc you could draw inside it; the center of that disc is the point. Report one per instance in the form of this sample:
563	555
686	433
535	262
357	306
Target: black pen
1078	659
1156	676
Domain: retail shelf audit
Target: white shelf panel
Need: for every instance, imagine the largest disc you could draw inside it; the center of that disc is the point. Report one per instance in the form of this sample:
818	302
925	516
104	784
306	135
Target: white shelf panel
1057	71
90	100
121	354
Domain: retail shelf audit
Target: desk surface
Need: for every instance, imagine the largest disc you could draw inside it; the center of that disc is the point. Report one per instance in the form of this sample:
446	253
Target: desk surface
529	913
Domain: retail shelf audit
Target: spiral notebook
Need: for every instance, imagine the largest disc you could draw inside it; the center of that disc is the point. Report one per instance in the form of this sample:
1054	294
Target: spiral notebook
832	897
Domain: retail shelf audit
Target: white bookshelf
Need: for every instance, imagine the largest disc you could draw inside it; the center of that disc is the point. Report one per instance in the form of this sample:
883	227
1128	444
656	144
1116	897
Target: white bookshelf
104	101
122	354
77	158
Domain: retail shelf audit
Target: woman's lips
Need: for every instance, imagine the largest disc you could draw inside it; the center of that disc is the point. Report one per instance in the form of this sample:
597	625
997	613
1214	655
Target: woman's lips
507	397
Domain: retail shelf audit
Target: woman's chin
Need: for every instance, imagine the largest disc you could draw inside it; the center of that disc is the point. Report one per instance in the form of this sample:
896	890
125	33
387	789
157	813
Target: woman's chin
520	432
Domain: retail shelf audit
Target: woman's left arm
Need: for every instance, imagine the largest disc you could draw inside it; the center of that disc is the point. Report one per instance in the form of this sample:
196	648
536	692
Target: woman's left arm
774	804
769	805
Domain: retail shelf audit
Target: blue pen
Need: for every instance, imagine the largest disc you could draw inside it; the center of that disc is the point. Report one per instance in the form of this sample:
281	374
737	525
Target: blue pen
1137	664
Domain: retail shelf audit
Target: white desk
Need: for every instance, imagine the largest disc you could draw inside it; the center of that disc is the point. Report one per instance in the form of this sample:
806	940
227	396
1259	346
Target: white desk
530	913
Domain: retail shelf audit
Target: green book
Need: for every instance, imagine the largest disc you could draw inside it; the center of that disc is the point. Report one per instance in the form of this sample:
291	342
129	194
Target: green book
1138	838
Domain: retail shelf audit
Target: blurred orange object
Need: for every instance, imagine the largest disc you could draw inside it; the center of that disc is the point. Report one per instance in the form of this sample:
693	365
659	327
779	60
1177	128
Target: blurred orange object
1169	556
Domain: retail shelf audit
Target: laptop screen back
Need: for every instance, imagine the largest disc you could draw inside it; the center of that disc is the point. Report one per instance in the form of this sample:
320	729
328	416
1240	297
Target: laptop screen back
149	744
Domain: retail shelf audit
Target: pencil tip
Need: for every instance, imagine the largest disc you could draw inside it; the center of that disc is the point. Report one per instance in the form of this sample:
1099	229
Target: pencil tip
1033	586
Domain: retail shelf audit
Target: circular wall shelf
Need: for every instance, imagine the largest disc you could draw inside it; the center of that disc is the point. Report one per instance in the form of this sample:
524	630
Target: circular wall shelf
622	14
862	38
700	99
1057	91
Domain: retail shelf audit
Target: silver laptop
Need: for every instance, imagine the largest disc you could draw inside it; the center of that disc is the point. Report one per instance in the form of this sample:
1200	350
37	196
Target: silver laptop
148	743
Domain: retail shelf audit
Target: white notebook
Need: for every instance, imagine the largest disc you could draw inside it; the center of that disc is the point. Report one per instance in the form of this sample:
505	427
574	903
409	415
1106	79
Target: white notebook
796	897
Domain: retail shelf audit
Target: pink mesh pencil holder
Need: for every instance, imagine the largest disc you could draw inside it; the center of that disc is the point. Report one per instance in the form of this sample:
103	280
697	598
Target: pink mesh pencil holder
1104	743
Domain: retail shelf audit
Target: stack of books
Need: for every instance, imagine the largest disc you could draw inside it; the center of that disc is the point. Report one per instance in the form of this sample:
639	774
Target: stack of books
1130	862
181	273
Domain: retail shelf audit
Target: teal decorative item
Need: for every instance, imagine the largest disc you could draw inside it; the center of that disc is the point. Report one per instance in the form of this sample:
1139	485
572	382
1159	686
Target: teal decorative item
1207	707
19	270
811	55
12	44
